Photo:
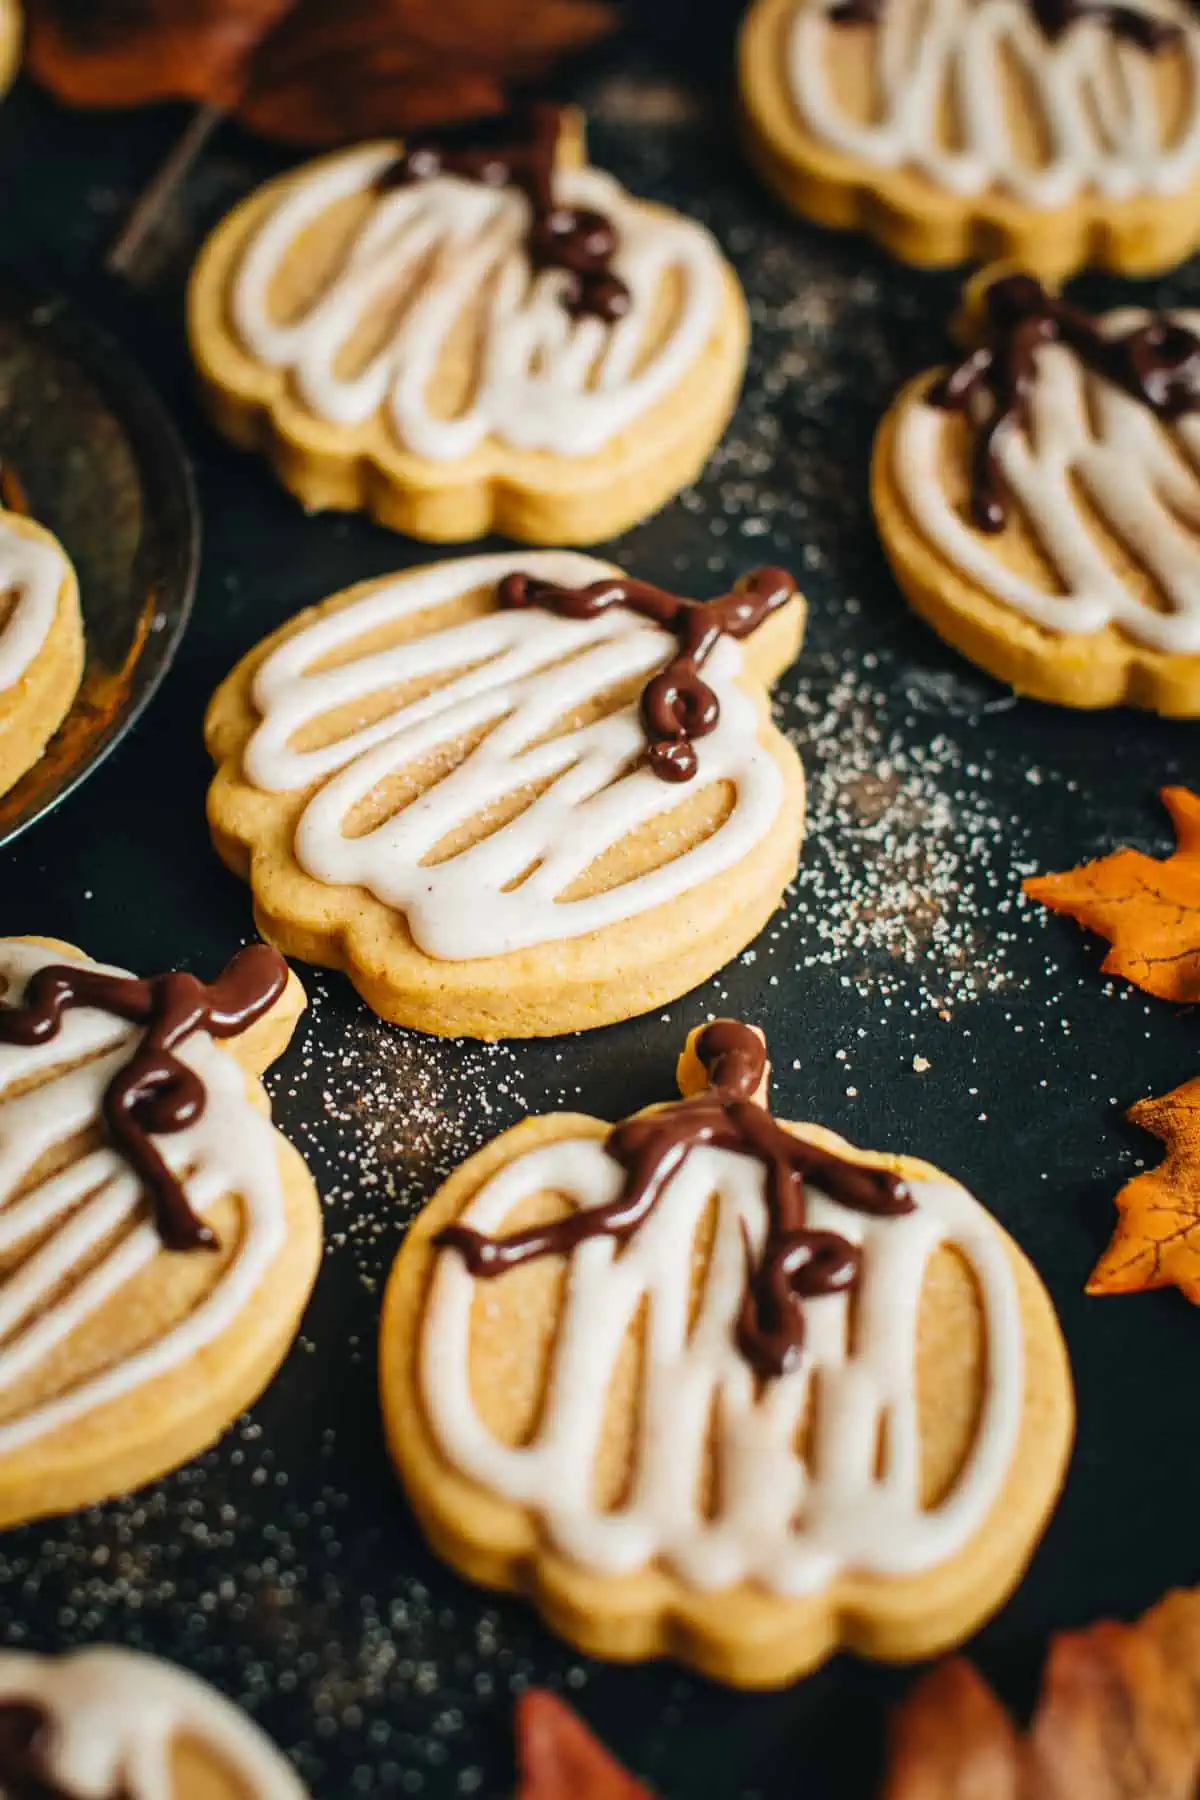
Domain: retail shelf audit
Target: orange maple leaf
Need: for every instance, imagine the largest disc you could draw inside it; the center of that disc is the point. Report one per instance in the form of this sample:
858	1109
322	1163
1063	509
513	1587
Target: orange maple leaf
1148	910
1157	1240
559	1759
1118	1719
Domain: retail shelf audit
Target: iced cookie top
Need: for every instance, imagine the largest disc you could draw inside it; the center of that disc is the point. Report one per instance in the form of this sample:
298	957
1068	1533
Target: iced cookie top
777	1284
1056	466
1044	100
467	295
32	571
122	1123
108	1724
473	742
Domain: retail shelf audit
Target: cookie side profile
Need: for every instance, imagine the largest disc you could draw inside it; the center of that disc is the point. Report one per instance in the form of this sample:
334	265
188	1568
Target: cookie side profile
1040	504
10	42
41	643
462	342
160	1237
513	795
110	1724
710	1385
1042	131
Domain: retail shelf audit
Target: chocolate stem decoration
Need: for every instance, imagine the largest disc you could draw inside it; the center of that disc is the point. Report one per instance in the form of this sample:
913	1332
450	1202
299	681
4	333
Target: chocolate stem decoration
797	1263
24	1772
576	239
13	497
154	1093
677	704
1158	363
1054	18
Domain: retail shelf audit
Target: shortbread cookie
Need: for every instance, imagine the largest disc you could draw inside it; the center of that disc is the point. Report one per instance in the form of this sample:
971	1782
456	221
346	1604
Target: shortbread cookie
41	643
470	341
1040	503
1054	132
159	1237
108	1724
730	1389
10	42
513	795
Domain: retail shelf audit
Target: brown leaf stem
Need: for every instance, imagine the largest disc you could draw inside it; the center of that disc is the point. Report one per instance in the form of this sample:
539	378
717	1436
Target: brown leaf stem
125	258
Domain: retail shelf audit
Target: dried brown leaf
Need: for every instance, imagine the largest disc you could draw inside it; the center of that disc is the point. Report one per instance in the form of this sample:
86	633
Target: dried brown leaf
559	1759
1118	1719
306	71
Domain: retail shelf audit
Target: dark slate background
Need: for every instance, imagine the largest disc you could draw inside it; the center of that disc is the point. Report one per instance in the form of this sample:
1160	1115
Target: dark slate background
912	1000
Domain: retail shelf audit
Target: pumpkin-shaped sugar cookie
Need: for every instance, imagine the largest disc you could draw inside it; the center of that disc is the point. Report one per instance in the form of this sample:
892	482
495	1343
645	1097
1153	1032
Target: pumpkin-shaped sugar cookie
10	41
1052	132
514	795
158	1237
709	1384
41	642
1040	501
464	341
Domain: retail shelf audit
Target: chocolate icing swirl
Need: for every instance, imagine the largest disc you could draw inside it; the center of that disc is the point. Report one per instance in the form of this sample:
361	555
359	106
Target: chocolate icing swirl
677	705
25	1729
154	1093
577	239
1158	363
1054	18
797	1263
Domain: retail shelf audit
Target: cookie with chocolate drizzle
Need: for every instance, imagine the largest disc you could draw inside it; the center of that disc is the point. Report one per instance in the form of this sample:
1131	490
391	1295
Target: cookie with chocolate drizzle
471	333
159	1236
534	795
1051	133
711	1384
1039	500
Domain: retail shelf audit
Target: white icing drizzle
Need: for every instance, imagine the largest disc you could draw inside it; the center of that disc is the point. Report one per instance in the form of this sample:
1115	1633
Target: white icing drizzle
58	1286
1141	476
514	675
545	381
1095	95
32	570
787	1524
114	1716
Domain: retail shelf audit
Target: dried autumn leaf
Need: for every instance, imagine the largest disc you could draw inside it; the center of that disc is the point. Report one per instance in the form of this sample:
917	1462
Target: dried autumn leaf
331	72
559	1759
91	53
1118	1719
1148	910
952	1740
1119	1714
1157	1241
308	71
